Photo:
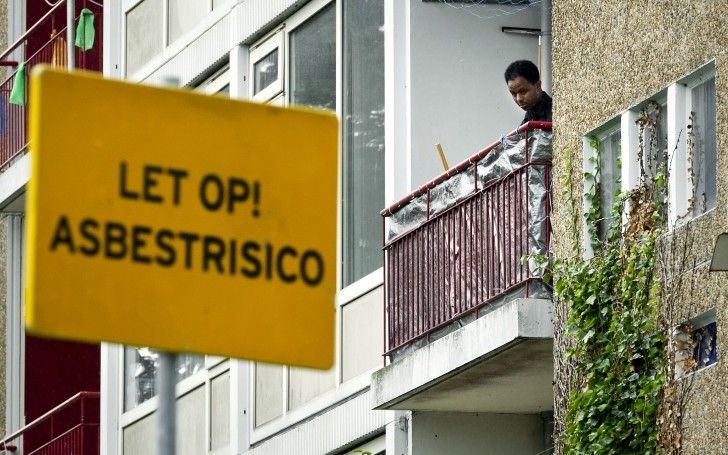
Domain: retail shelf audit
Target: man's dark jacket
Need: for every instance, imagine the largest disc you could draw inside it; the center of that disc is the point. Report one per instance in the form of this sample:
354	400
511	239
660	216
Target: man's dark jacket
541	111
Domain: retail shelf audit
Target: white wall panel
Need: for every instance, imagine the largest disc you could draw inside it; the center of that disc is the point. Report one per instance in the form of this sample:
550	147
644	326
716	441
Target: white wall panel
350	421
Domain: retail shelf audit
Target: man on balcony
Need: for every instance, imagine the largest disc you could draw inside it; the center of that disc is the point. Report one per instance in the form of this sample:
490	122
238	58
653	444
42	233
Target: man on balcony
524	83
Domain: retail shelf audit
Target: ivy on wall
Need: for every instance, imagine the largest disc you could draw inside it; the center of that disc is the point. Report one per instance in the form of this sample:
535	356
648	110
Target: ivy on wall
618	345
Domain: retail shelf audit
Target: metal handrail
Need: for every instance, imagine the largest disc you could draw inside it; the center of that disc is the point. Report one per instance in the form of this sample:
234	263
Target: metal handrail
79	397
391	209
24	37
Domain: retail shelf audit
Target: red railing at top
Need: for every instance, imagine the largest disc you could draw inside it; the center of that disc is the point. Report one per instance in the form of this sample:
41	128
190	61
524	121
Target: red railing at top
45	42
72	427
456	261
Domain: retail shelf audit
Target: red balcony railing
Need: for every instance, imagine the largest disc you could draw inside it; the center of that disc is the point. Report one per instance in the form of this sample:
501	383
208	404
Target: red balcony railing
70	428
45	42
463	240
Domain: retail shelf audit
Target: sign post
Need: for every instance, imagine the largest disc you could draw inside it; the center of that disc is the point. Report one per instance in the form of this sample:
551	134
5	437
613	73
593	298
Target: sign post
167	412
187	223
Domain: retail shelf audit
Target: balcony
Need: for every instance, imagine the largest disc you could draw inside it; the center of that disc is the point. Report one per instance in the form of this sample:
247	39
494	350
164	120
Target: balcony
467	314
47	41
70	428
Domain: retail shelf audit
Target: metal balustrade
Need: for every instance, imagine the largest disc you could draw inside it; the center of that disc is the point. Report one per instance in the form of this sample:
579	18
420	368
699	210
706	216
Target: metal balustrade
72	427
46	42
462	255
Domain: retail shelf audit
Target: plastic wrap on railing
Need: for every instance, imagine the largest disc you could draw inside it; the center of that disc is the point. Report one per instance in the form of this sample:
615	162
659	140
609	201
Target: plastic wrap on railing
452	191
511	155
408	217
538	227
501	161
540	148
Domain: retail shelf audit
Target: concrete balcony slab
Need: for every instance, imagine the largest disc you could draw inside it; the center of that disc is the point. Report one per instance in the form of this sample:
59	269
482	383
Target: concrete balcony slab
502	363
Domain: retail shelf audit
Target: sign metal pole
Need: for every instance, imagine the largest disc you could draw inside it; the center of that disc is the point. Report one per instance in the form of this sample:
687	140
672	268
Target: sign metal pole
166	380
165	392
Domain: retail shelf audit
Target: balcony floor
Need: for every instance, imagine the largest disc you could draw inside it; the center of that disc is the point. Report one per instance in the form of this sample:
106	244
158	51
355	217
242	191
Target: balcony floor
501	363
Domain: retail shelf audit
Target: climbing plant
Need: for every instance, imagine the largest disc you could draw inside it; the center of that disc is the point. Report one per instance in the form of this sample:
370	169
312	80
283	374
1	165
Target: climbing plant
618	344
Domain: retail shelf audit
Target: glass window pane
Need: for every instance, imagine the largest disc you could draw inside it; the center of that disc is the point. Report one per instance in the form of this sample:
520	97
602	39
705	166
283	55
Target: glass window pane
702	139
144	34
363	134
265	71
140	372
268	392
313	61
184	15
305	384
654	138
609	180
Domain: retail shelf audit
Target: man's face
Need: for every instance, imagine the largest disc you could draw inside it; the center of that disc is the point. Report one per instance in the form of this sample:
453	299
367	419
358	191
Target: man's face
524	93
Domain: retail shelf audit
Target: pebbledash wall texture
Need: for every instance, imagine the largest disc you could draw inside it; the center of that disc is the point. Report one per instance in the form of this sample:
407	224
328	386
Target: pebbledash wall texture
607	57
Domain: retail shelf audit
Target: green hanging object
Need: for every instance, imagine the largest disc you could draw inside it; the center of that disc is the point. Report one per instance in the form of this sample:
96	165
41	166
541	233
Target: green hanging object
85	32
17	94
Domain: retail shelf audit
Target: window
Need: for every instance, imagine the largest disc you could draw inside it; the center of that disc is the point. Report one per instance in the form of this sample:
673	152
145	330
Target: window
692	145
671	138
701	143
705	350
696	344
652	131
184	15
313	61
611	146
141	363
267	68
140	372
144	35
363	148
310	43
152	25
300	62
602	157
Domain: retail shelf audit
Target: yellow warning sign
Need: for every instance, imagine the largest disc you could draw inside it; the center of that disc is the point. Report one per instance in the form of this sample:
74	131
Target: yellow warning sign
170	219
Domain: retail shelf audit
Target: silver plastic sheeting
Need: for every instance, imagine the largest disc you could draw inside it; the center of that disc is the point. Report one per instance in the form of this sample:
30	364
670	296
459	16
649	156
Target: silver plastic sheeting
408	217
472	251
538	216
452	191
501	161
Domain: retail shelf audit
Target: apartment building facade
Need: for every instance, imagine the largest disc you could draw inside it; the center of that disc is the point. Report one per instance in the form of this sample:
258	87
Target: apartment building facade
647	88
50	384
401	80
402	76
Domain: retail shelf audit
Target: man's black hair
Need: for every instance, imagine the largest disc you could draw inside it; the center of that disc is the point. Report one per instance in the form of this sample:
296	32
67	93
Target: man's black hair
524	68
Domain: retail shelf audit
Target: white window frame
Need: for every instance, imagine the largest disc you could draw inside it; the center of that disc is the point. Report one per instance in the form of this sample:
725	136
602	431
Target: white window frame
697	78
346	295
676	100
217	82
601	134
679	107
257	53
168	48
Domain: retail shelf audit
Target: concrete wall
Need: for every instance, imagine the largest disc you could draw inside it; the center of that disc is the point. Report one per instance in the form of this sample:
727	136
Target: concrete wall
435	433
608	56
459	97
